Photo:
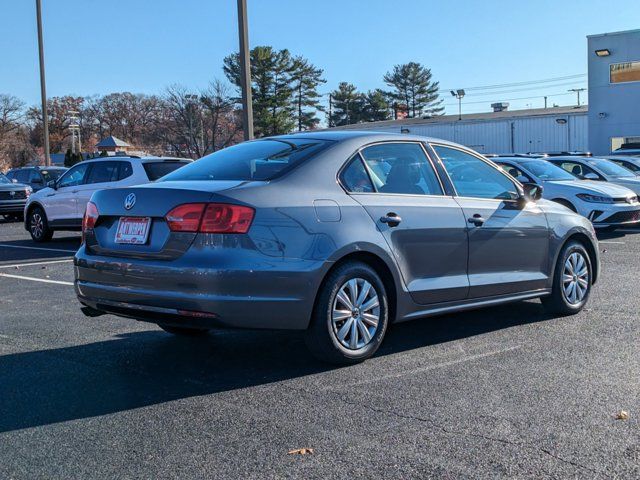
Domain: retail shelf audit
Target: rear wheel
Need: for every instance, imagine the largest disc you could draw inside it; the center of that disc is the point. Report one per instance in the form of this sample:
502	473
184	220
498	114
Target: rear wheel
184	331
38	226
571	281
351	316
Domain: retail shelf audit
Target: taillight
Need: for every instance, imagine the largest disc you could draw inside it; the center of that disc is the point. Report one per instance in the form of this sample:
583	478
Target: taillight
89	220
210	218
225	218
185	218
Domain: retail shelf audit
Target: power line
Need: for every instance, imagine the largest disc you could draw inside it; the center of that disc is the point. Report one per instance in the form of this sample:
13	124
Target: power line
523	89
509	99
518	84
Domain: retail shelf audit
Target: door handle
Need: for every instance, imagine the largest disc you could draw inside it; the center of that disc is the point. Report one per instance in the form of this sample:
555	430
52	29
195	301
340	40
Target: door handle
477	220
392	219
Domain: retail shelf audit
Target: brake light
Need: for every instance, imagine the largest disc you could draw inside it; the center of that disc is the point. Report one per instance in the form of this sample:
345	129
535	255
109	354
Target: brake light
210	218
89	220
225	218
185	218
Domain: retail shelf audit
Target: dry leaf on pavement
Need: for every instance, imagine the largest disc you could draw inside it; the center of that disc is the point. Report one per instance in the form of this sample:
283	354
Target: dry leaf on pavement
301	451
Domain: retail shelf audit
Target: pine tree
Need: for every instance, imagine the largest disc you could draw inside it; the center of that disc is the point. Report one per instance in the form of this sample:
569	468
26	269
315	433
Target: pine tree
347	105
413	87
305	81
376	106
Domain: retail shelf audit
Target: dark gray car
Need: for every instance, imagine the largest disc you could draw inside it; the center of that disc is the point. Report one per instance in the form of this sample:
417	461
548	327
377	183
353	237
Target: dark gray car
13	197
335	233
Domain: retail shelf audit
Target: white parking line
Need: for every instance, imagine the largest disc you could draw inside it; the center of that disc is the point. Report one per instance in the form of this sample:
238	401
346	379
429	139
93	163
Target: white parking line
20	265
611	241
434	366
32	279
38	248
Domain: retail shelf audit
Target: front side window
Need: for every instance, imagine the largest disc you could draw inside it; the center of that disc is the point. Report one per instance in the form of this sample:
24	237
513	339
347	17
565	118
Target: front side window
401	168
257	160
610	168
35	176
547	171
628	165
53	174
74	177
355	178
473	177
579	170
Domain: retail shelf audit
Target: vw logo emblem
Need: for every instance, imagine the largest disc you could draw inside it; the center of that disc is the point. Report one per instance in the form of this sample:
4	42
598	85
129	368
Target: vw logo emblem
12	193
130	201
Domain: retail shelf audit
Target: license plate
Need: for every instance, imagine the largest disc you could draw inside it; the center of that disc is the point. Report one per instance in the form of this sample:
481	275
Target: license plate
133	230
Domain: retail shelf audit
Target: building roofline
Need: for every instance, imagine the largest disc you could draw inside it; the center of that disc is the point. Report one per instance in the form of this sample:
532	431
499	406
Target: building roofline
608	34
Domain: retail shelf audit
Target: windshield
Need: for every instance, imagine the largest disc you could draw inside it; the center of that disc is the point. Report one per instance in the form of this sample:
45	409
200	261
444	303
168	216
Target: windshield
4	179
257	160
50	175
609	168
547	171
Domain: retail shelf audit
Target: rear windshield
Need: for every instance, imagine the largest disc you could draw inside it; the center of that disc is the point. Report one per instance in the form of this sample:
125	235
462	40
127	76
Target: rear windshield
156	170
258	160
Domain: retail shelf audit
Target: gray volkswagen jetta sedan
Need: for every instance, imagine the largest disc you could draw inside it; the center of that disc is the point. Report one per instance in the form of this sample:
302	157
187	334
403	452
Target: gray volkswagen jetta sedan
336	233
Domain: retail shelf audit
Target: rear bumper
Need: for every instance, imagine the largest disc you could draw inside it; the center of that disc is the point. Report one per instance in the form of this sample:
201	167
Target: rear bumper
278	294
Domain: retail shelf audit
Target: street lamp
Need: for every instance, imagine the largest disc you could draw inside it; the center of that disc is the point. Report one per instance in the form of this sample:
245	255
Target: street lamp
73	117
459	94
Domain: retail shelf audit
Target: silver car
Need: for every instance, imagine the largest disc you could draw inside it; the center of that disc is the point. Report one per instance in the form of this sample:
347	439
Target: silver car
598	169
337	234
606	204
626	161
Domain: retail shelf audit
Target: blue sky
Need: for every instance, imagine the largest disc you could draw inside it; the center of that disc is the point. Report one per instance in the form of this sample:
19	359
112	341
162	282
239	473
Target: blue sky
95	47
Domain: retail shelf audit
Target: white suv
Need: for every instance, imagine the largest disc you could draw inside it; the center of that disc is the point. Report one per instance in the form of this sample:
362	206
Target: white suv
61	205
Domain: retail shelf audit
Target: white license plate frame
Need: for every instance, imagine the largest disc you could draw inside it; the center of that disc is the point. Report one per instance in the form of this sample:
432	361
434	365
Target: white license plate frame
137	237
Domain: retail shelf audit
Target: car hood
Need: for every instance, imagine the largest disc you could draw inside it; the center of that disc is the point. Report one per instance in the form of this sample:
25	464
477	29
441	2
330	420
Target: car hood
12	187
588	186
41	193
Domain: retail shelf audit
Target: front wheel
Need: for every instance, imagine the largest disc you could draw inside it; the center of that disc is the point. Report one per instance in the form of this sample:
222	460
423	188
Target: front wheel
572	280
351	316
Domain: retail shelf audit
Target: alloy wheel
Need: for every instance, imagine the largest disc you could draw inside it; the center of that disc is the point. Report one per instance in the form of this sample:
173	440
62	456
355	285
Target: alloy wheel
575	278
355	313
37	225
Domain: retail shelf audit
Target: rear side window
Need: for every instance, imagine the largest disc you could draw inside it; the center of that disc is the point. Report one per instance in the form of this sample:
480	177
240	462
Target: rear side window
35	176
577	169
257	160
515	172
401	168
156	170
631	166
126	170
103	172
355	178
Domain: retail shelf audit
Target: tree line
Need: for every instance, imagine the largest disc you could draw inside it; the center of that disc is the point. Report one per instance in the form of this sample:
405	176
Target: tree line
286	97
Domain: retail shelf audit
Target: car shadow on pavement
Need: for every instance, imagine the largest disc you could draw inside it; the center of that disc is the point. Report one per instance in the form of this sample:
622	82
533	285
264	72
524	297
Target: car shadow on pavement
151	367
12	250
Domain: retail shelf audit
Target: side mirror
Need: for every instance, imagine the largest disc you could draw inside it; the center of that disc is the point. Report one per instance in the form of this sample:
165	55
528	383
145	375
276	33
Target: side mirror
591	176
532	192
52	184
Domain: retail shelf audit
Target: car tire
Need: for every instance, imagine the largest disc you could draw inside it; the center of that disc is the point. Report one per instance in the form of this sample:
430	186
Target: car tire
573	268
341	336
184	331
38	226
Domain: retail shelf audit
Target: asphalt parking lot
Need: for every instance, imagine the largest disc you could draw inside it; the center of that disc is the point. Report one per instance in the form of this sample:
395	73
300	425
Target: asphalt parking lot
503	392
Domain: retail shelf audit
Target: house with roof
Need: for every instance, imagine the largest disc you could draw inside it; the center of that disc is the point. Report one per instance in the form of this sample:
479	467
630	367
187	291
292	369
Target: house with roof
113	144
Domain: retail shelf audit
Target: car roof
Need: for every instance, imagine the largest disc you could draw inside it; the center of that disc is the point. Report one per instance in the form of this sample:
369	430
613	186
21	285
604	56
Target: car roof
134	159
341	135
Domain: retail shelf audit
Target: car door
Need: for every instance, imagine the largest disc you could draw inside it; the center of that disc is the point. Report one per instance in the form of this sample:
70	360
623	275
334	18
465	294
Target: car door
508	238
103	174
61	202
424	228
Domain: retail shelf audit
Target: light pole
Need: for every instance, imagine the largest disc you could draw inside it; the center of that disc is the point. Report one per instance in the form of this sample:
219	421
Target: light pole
245	70
43	89
74	126
459	94
577	90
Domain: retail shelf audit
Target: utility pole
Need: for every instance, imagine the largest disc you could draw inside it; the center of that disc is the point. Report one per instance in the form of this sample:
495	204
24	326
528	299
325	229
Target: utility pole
545	101
43	89
330	109
245	70
577	91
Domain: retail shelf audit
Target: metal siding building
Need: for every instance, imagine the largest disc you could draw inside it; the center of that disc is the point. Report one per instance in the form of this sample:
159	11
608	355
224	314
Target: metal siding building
614	104
518	131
